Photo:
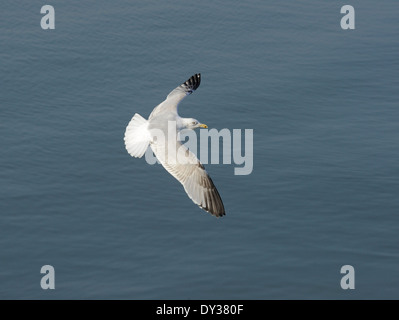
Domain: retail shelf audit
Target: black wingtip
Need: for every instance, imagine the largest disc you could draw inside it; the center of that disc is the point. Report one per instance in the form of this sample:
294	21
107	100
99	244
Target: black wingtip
216	214
214	205
193	83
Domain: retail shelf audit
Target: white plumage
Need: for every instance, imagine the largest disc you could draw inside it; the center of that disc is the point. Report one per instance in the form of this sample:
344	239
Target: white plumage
190	172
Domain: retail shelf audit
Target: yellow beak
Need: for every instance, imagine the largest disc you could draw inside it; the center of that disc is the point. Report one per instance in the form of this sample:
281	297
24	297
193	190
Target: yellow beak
203	125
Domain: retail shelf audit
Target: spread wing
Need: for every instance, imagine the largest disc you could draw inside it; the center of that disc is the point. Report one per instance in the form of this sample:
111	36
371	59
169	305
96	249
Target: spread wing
178	94
188	170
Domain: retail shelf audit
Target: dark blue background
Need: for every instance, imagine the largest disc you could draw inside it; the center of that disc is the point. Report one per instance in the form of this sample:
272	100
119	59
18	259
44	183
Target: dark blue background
323	103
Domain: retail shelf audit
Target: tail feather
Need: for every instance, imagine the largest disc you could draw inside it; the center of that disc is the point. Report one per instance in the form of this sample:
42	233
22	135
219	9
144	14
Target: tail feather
137	136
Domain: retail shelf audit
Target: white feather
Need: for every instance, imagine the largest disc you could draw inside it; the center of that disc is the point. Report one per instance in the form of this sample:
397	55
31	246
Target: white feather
137	136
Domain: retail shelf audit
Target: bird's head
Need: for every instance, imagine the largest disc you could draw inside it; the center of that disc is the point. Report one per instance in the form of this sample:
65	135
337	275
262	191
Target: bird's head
190	123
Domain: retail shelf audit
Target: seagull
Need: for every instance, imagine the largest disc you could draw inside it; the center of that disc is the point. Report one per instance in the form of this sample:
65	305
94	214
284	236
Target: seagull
141	133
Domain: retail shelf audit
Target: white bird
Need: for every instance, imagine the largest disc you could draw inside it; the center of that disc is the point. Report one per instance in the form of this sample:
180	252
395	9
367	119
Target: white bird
140	133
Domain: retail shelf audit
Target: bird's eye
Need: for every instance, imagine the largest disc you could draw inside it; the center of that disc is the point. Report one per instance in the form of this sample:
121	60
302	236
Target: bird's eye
194	122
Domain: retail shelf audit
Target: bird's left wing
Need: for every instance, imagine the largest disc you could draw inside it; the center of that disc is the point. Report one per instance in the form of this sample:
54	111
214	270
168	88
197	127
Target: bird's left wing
178	94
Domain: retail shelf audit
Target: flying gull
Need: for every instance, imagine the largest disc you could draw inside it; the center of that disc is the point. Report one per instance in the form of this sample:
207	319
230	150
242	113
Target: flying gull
190	173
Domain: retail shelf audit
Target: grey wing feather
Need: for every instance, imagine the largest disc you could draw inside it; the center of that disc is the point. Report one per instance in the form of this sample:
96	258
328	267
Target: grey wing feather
194	178
178	94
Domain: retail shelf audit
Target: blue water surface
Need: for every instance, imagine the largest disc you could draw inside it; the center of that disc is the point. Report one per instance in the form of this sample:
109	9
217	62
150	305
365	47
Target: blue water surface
323	193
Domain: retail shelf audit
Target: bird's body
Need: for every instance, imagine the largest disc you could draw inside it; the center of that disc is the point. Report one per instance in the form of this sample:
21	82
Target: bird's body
160	132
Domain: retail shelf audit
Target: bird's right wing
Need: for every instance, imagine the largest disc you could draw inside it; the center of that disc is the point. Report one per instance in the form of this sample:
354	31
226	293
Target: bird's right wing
178	94
192	175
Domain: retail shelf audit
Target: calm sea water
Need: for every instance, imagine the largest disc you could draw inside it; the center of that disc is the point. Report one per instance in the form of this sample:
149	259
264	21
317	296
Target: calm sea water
323	104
